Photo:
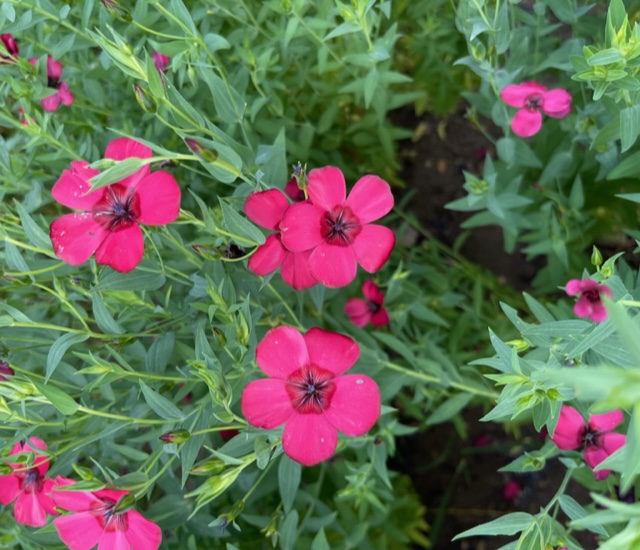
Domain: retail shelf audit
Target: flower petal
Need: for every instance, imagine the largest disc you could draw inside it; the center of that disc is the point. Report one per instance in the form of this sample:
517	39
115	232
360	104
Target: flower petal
380	317
611	442
355	405
556	103
574	286
72	187
516	94
370	198
326	187
44	497
124	147
526	123
9	488
371	292
27	510
309	438
33	443
332	351
265	403
142	533
268	256
583	307
358	311
300	227
74	501
50	103
569	428
266	208
122	250
65	94
113	540
295	270
80	531
333	265
373	245
593	456
598	313
281	352
605	422
54	68
159	195
75	237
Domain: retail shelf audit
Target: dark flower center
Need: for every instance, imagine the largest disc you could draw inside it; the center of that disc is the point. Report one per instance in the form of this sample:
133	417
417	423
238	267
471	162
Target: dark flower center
592	295
590	437
118	208
107	516
53	82
310	389
373	306
340	226
30	481
533	102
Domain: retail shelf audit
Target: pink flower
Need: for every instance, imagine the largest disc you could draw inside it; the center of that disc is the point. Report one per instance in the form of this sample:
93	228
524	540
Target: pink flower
266	209
595	435
5	369
531	98
109	222
11	46
97	520
360	311
589	304
160	61
62	93
511	490
308	393
28	486
294	192
335	229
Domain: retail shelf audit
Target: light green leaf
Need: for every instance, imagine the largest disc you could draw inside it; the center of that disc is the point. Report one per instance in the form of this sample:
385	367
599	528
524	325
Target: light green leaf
161	405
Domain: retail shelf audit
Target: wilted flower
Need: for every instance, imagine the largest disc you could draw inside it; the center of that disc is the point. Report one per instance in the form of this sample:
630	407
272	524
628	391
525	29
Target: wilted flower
360	311
160	61
589	303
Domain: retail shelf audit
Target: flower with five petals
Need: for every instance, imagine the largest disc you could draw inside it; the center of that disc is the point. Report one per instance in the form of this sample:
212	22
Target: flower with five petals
360	311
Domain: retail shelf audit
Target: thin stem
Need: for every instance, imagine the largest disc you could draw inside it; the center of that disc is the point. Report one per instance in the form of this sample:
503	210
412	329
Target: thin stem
286	306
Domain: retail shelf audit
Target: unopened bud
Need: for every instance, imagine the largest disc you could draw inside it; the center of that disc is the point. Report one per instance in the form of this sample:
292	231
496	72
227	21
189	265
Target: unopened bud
177	436
145	101
208	467
596	257
5	370
85	473
210	155
117	10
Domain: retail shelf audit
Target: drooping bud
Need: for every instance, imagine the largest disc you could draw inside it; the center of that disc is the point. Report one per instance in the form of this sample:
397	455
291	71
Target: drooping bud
160	61
117	10
10	45
210	155
5	370
177	436
145	101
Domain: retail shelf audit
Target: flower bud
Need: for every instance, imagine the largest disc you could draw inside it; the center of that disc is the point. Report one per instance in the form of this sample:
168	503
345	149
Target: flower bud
117	10
177	436
210	155
10	45
85	473
208	467
145	101
5	370
596	257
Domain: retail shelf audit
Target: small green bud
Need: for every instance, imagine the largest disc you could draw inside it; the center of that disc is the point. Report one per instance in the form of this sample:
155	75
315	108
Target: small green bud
117	10
208	467
177	436
210	155
596	257
145	101
85	473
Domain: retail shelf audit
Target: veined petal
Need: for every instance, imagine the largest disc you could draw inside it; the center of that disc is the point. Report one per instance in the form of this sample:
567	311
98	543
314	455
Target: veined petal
80	531
526	123
300	227
333	265
355	405
332	351
124	147
326	187
556	103
28	511
265	403
122	250
295	270
266	208
9	488
113	540
75	237
268	256
373	245
71	188
159	195
309	438
516	94
281	352
358	311
569	428
142	533
370	198
605	422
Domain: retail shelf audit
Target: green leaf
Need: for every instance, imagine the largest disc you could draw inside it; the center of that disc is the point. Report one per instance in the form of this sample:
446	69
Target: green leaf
320	541
288	531
161	405
449	408
58	398
159	353
59	348
627	168
629	126
36	235
604	57
216	42
103	317
182	13
138	279
509	524
119	171
242	229
575	511
289	474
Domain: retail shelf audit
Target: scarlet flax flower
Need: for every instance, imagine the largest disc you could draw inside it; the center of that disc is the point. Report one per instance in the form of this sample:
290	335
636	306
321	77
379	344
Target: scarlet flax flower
97	520
308	392
266	208
594	435
28	486
589	303
160	61
336	229
294	192
62	93
360	311
109	222
10	44
533	99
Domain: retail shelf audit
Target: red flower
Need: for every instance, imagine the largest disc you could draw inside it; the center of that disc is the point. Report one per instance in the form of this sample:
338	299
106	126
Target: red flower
293	191
595	435
5	369
28	486
97	520
11	46
62	93
532	98
335	229
589	304
511	490
266	209
160	61
308	393
360	311
109	222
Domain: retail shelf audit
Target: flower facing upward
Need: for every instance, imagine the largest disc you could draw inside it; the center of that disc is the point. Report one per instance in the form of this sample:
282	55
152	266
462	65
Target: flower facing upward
589	303
97	520
266	209
308	392
595	435
11	46
532	98
28	486
335	229
360	311
160	61
109	222
62	93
